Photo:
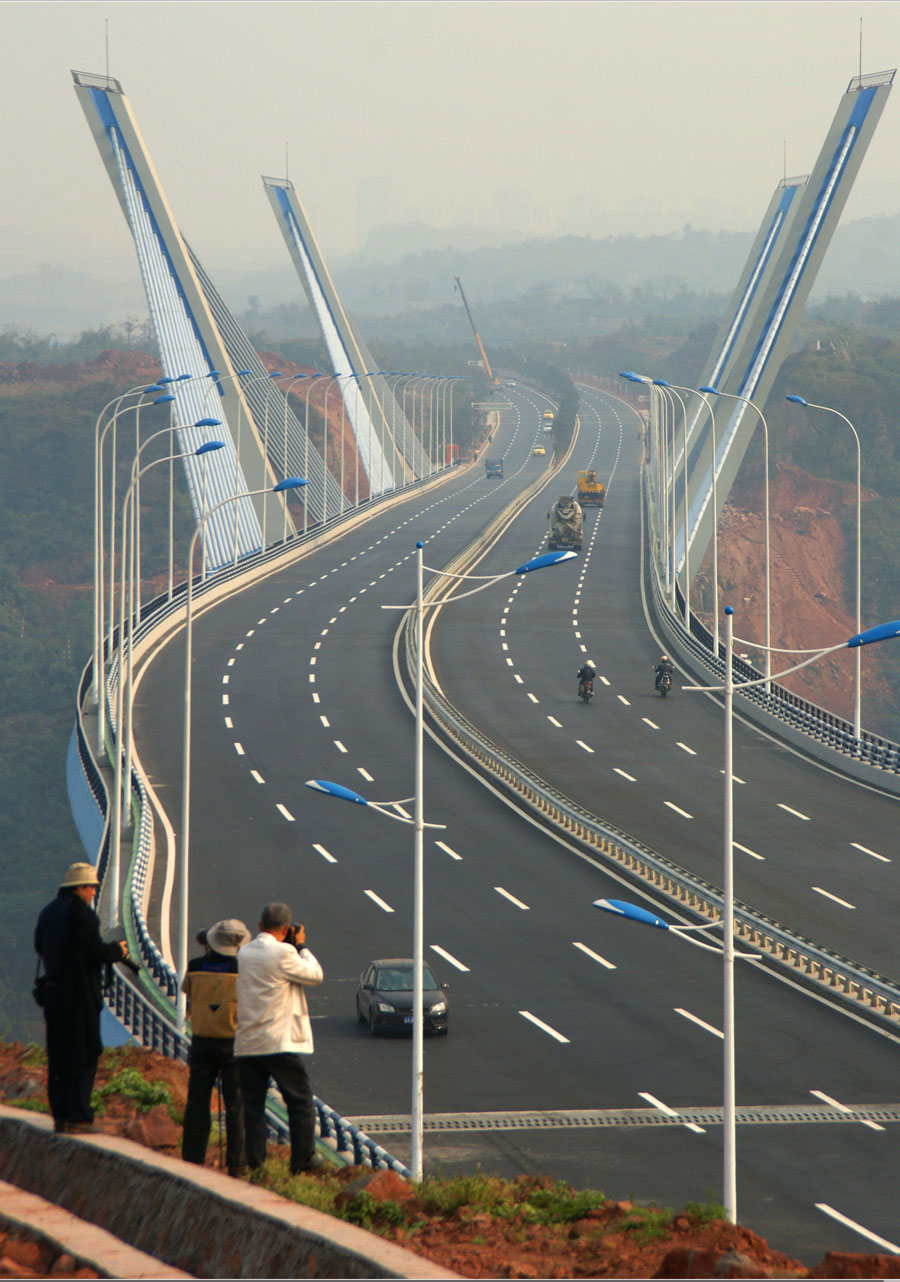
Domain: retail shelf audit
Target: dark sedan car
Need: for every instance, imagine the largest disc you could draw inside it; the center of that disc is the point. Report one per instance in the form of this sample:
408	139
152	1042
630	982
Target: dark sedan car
384	998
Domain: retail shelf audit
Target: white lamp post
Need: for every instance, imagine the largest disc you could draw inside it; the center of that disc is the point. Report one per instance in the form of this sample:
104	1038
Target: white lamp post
669	387
289	483
857	702
484	581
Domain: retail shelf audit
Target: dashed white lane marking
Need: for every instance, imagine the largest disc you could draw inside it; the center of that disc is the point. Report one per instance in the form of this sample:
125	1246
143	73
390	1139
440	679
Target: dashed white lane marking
340	747
747	851
554	722
312	660
225	679
284	810
685	748
533	698
401	810
365	774
678	810
512	899
622	699
325	722
312	678
250	633
257	776
442	845
664	1108
231	662
315	697
324	853
229	724
857	1228
224	700
843	903
701	1023
442	952
791	811
596	956
377	900
604	680
239	748
539	1023
866	851
259	621
516	677
624	774
734	777
239	646
582	744
842	1108
651	724
275	609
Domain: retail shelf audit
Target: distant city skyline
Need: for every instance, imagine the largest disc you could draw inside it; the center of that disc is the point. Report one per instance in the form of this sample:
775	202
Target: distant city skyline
550	118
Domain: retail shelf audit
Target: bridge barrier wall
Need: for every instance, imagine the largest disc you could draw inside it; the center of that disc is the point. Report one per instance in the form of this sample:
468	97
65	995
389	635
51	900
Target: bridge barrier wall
200	1221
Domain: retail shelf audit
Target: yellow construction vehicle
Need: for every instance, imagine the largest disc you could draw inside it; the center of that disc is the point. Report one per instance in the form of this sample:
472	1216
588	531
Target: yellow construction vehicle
590	490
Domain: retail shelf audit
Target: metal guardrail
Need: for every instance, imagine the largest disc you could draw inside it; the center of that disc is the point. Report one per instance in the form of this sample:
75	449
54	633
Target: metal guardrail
816	967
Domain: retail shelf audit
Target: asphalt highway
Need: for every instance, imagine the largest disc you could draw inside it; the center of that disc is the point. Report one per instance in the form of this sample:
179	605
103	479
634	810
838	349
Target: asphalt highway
553	1005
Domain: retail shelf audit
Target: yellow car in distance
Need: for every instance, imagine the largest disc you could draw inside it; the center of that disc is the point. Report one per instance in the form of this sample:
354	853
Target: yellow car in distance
539	449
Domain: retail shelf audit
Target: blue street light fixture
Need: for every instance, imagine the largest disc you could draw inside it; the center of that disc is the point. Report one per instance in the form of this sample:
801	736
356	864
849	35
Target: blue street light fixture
348	794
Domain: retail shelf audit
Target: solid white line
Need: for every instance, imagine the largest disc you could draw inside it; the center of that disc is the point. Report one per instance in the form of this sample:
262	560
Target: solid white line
664	1108
842	1108
852	1224
651	724
340	747
239	748
792	811
257	776
442	845
380	902
284	810
685	748
866	851
365	774
701	1023
582	744
324	853
554	722
843	903
624	774
604	680
526	1014
442	952
677	809
512	899
533	698
596	956
622	699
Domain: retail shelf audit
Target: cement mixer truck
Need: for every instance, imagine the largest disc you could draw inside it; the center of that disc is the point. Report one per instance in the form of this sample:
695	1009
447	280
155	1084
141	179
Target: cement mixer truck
566	524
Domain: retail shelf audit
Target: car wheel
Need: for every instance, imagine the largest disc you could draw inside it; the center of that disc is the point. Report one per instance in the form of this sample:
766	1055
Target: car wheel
372	1028
360	1017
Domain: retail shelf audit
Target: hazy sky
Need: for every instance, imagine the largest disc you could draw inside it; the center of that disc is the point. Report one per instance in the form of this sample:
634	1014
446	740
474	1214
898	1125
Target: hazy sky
550	118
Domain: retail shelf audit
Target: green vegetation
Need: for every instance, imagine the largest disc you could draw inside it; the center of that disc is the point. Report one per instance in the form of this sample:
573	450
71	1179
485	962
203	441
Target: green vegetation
131	1083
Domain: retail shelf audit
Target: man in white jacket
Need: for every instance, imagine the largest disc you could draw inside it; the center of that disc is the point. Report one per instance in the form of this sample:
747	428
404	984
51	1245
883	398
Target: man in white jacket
273	1033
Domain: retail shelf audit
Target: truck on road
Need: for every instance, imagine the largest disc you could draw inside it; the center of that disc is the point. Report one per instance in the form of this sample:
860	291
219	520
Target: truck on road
590	490
566	524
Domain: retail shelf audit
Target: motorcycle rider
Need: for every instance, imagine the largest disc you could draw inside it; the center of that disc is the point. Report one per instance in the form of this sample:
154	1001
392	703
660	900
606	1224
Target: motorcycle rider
665	665
586	673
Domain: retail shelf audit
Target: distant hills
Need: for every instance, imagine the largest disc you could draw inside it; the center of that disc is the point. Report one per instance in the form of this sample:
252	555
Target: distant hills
388	279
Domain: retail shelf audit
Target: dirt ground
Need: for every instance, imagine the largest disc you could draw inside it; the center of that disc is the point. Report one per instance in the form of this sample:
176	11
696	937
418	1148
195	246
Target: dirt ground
615	1239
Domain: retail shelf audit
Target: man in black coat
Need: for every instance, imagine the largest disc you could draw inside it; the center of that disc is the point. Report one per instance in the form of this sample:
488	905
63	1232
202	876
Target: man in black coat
67	937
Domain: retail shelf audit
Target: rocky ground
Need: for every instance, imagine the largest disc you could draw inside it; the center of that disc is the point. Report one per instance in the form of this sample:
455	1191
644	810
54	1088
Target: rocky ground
144	1094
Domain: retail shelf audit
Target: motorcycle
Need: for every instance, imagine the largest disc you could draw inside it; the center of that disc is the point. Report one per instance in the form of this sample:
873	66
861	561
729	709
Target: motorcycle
664	683
586	690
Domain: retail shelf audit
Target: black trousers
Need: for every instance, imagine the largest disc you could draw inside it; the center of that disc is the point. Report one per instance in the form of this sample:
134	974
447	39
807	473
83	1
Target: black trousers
211	1056
70	1078
288	1072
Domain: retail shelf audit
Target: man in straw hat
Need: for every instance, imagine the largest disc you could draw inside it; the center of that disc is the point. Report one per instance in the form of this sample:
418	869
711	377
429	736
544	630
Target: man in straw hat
67	938
210	985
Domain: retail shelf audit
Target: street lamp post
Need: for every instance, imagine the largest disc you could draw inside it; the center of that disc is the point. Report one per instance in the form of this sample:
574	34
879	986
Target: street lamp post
484	581
745	400
289	483
857	701
670	387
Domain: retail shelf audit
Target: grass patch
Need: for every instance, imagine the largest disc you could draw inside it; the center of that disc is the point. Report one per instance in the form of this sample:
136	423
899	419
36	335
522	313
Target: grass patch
644	1223
134	1086
32	1105
35	1056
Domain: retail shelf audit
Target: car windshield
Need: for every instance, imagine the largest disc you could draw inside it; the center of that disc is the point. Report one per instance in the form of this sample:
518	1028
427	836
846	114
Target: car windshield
393	979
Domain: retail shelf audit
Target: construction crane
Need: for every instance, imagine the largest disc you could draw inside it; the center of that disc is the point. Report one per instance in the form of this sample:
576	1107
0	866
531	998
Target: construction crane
495	382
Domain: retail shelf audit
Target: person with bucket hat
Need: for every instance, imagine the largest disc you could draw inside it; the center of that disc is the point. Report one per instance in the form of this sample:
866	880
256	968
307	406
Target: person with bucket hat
67	941
211	988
